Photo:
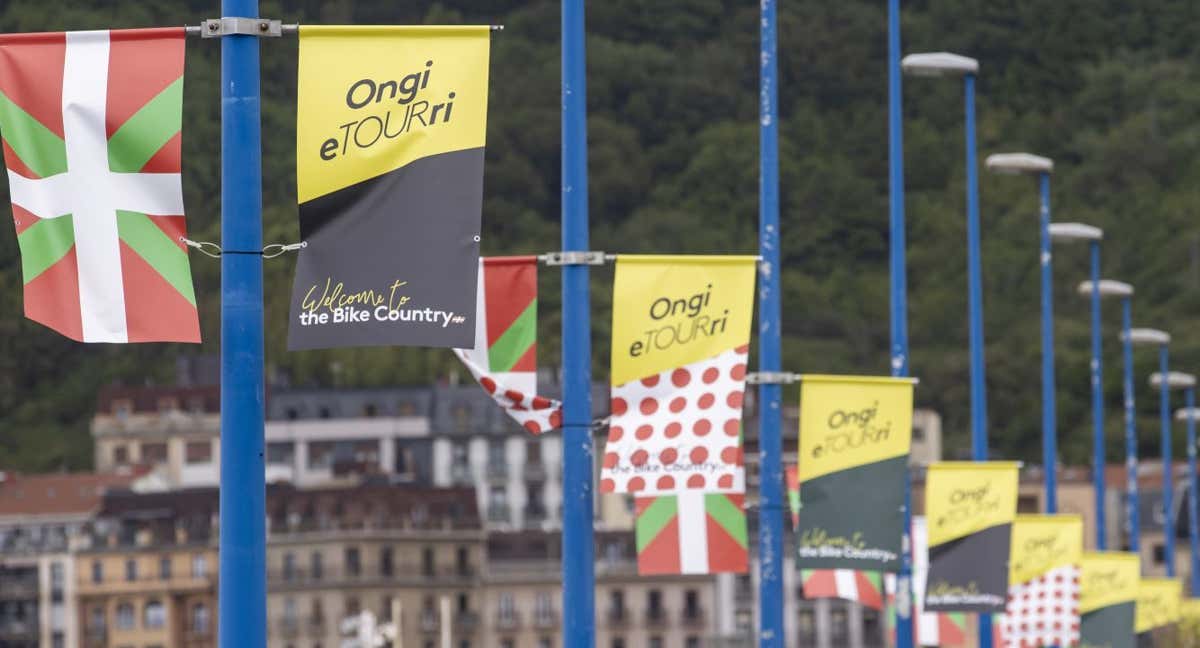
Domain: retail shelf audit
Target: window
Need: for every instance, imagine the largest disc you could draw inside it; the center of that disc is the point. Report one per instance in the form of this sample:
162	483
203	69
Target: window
496	453
131	570
97	571
385	561
872	624
198	452
656	642
199	566
154	616
125	616
464	602
691	604
543	609
353	607
154	453
316	565
654	608
1160	554
533	452
427	564
122	407
545	642
97	622
318	611
56	575
200	618
281	453
164	567
840	622
618	642
507	607
508	643
691	642
120	455
289	566
464	561
289	611
370	410
1027	504
353	566
616	605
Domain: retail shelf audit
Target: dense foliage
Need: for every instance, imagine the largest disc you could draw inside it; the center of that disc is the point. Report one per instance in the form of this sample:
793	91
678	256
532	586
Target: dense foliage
1107	88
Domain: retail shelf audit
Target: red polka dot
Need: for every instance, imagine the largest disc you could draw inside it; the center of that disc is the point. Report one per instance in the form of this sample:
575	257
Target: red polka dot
556	418
677	404
514	396
733	427
639	457
541	403
738	372
666	482
702	427
610	460
673	429
615	433
607	486
668	456
726	481
648	406
650	381
488	384
619	406
533	427
744	349
636	484
734	399
699	455
696	481
644	432
706	401
732	455
710	375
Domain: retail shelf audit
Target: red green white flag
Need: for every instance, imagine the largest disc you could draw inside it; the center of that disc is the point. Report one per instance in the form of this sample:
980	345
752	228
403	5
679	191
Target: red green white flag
504	360
91	128
691	533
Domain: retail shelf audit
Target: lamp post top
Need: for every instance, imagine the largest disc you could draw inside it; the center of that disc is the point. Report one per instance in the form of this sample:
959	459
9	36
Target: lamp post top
938	64
1149	336
1108	288
1075	232
1014	163
1175	380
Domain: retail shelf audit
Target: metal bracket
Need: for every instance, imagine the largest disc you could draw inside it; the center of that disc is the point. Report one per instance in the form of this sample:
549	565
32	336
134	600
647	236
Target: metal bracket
573	258
772	378
218	27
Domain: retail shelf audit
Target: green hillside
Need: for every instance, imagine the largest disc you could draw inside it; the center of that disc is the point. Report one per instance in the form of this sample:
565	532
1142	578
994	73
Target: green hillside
1107	88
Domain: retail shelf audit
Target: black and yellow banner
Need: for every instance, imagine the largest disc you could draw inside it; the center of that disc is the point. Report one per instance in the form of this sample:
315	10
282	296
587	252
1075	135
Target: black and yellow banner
855	434
969	510
1158	603
389	174
1107	599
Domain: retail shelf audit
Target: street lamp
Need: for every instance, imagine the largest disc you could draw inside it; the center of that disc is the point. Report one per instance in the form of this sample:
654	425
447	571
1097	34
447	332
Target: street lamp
1174	380
1162	340
1189	414
1017	163
938	64
1098	289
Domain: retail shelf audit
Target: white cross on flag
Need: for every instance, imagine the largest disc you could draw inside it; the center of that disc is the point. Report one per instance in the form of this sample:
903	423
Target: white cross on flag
91	126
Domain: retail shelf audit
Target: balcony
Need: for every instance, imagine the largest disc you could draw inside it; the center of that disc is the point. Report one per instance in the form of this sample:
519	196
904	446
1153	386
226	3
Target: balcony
18	588
508	621
545	620
535	472
618	617
289	627
656	617
497	472
429	621
498	513
460	474
692	617
466	622
534	516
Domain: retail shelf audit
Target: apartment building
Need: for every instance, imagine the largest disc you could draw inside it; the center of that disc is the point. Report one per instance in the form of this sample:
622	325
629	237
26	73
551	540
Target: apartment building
41	517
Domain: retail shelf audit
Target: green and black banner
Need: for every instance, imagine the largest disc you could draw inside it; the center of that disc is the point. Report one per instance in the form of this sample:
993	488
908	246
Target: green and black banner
854	442
389	163
969	511
1108	591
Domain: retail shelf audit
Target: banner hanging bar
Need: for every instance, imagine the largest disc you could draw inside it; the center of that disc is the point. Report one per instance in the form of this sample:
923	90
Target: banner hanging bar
788	378
593	258
218	27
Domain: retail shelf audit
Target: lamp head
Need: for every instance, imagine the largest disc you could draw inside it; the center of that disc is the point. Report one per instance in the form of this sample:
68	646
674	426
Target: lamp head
1175	380
1185	413
1108	288
1149	336
1075	232
1014	163
938	64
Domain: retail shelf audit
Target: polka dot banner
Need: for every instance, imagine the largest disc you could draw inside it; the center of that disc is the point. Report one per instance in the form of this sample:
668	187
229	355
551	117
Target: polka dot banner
679	430
1043	611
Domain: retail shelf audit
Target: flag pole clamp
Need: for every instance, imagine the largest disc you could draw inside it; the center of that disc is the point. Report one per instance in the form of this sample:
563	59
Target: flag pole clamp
772	378
574	258
230	26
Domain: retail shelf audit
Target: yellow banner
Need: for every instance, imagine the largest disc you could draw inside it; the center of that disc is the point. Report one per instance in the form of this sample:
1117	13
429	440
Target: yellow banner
848	421
964	497
1189	610
1108	578
1044	542
1158	603
670	311
374	99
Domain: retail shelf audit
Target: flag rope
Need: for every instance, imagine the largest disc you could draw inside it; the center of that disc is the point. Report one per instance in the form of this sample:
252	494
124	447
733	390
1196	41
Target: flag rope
268	252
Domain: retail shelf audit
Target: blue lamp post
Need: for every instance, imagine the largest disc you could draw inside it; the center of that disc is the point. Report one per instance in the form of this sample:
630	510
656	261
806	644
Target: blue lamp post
1189	414
1156	338
1173	380
1014	163
1098	289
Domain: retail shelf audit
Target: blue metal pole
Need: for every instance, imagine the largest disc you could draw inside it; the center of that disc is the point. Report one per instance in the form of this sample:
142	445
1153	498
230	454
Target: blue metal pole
1164	407
979	441
1049	434
899	302
243	552
578	564
770	444
1193	523
1131	460
1097	402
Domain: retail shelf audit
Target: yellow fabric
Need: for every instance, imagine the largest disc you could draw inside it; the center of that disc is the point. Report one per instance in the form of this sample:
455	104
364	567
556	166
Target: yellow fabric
1158	603
1041	543
373	99
848	421
670	311
1108	578
962	498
